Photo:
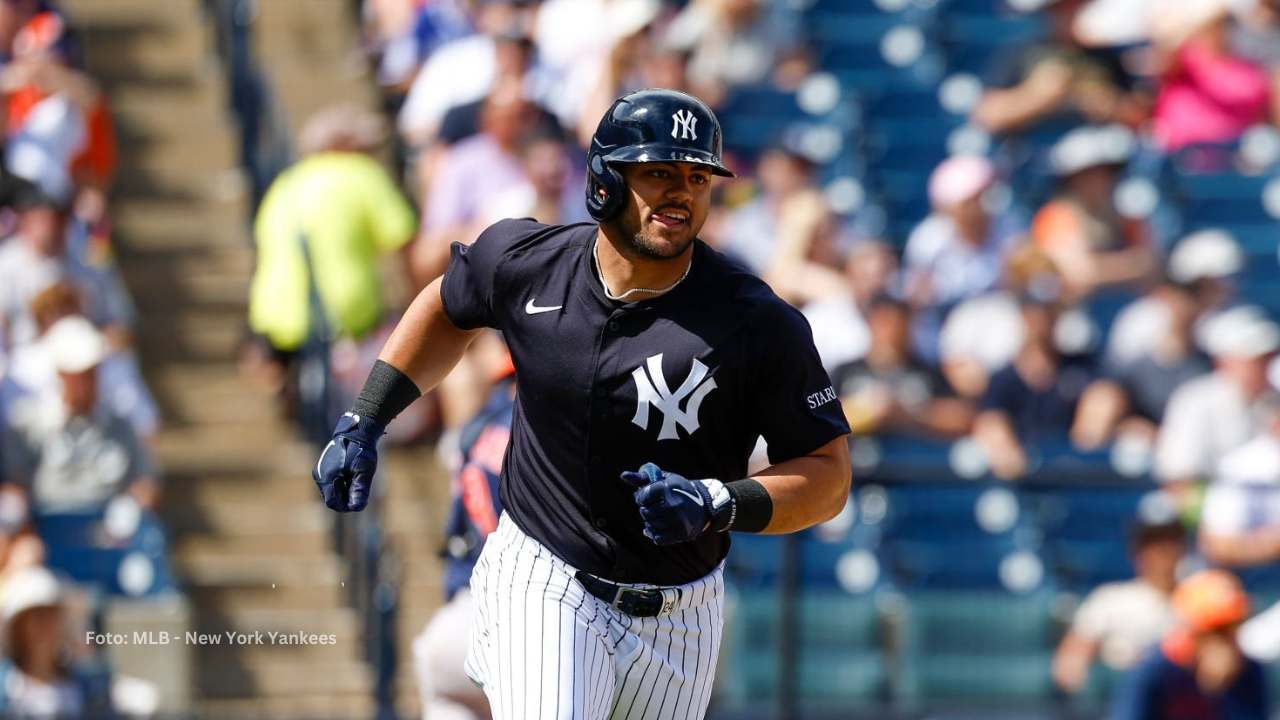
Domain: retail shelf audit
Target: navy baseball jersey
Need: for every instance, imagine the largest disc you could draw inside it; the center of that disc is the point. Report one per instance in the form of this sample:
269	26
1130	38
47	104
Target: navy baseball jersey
687	380
482	443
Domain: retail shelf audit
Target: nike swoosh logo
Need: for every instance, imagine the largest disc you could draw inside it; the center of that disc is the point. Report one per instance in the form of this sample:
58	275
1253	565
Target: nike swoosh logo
532	309
322	452
686	493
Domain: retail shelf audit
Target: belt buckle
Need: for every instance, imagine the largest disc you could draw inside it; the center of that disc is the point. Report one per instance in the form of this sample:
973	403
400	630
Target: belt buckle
617	599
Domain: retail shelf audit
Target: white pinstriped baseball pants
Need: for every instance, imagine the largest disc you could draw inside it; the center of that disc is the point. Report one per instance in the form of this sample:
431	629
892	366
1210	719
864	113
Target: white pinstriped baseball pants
545	649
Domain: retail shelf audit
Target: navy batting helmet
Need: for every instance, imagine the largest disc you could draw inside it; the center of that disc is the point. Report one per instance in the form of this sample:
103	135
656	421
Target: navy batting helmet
648	126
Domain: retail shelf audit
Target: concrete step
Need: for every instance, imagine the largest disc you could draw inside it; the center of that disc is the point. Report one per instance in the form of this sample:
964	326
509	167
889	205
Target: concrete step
254	655
233	450
107	13
317	27
179	130
261	570
342	622
216	341
314	706
228	598
231	518
235	259
137	47
297	544
175	185
183	153
286	493
227	681
150	224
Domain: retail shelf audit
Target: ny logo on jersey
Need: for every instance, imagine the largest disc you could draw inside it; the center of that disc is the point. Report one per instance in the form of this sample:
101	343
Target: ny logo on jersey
652	389
685	127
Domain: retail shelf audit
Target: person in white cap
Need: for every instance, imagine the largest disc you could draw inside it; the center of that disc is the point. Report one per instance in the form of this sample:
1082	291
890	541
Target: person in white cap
959	250
1215	414
36	679
30	370
1131	398
78	454
50	246
1240	518
1090	242
1204	262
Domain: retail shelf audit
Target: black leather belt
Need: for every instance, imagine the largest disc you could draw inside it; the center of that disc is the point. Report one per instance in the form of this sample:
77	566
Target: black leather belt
629	600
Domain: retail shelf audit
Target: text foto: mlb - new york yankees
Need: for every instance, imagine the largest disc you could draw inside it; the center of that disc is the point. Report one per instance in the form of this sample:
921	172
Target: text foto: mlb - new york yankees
164	637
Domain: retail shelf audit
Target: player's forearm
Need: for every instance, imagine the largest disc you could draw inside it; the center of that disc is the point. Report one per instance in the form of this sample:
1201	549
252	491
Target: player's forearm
808	490
425	345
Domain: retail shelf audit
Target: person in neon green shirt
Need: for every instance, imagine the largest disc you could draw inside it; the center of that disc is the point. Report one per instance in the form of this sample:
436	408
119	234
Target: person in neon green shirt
349	210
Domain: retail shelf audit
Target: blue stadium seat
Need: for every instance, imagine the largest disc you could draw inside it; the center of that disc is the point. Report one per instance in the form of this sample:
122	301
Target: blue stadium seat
958	564
1263	580
824	679
754	561
1222	198
979	646
1086	531
838	641
970	536
908	459
950	512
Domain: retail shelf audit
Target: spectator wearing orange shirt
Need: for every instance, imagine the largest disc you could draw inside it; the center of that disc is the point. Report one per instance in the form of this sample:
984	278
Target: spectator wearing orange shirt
55	111
1091	244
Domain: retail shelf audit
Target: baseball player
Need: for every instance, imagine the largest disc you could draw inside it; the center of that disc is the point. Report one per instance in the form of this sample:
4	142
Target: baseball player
649	365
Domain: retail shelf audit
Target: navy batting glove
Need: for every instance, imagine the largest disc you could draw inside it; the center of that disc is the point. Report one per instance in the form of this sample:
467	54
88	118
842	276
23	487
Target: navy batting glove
345	470
676	509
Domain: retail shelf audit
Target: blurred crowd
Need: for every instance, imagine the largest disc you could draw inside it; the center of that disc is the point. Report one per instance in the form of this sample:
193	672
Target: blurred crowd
981	322
76	417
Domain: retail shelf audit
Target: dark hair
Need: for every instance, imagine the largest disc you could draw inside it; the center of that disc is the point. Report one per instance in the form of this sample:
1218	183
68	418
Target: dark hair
1142	534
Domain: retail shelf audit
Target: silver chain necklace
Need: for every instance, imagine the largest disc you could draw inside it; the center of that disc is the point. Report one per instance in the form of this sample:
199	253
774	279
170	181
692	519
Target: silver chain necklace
595	253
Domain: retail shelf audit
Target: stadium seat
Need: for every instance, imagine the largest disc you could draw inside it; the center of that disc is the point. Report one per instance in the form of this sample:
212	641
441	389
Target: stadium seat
1263	580
988	646
824	679
1086	530
825	619
754	561
904	458
948	512
1222	198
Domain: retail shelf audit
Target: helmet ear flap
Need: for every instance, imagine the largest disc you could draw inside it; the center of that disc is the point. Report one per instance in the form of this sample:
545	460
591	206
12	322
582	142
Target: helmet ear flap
600	176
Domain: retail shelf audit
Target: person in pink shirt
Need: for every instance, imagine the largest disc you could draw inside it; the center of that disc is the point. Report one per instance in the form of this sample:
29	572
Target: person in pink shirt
1208	94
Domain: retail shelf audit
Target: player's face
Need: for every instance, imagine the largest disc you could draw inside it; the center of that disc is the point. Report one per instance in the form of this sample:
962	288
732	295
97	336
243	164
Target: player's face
667	206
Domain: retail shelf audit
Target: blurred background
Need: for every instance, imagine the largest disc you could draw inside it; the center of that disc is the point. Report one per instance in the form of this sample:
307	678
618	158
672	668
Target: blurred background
1036	241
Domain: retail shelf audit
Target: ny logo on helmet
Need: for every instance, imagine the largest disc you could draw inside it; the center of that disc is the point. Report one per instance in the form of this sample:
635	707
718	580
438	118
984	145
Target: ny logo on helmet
652	389
685	127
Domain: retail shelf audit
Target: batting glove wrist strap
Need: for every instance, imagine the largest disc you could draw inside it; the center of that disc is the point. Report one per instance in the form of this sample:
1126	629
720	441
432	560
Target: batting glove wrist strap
724	509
